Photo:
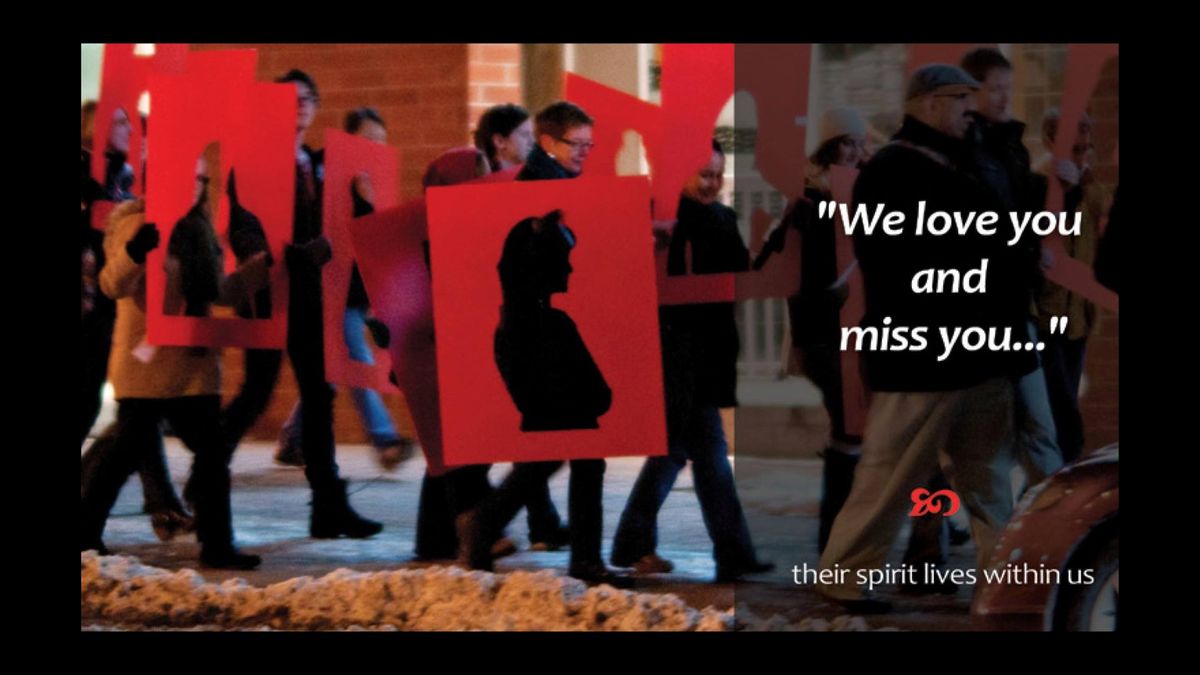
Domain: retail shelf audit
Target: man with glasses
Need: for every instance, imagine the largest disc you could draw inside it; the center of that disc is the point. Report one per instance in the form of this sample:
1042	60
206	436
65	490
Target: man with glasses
956	412
331	515
564	141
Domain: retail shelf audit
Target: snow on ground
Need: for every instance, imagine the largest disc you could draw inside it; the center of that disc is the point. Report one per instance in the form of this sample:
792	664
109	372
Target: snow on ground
120	591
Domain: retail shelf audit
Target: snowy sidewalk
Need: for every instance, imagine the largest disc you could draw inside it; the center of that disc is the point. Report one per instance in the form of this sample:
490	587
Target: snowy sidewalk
270	509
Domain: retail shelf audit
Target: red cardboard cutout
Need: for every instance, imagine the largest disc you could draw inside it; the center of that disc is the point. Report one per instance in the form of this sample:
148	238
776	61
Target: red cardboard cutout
124	77
390	250
345	157
617	321
781	101
948	53
698	81
854	394
1084	64
218	100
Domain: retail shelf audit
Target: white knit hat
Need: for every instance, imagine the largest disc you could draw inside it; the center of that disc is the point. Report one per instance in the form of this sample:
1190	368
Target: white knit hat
838	122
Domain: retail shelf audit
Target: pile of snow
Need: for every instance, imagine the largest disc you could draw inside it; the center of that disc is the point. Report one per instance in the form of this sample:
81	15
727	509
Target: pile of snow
119	590
748	620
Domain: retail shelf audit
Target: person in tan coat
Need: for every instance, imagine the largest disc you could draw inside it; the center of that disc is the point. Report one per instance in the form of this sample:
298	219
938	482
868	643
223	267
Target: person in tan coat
179	384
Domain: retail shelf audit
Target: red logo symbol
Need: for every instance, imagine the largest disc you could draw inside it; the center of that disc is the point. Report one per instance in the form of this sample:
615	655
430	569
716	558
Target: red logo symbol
923	502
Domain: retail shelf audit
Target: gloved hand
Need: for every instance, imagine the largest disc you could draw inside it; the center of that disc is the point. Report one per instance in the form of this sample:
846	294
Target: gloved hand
379	332
1068	172
255	272
772	244
662	230
143	242
797	216
316	252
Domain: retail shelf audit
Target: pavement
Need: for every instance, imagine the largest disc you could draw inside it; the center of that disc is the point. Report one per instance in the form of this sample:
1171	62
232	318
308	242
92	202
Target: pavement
780	497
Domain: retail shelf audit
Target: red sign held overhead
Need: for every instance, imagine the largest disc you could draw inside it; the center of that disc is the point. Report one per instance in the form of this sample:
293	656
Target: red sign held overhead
347	156
948	53
124	77
1084	65
218	101
697	82
777	76
614	112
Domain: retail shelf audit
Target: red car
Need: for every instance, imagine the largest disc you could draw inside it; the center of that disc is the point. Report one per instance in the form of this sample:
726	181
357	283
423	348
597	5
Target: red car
1068	523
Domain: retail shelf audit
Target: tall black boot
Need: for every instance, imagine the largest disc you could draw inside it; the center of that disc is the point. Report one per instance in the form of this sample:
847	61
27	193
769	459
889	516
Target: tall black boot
332	516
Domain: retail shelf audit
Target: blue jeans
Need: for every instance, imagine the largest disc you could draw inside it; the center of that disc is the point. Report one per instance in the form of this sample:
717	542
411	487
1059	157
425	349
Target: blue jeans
368	402
1036	432
703	442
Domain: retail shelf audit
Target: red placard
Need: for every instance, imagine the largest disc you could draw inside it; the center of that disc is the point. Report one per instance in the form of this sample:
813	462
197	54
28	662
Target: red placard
781	103
1084	65
389	247
697	82
948	53
217	100
609	299
124	77
614	112
345	157
854	394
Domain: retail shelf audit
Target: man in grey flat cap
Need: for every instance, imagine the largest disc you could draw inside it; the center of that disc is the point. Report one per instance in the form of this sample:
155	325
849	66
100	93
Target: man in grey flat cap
925	412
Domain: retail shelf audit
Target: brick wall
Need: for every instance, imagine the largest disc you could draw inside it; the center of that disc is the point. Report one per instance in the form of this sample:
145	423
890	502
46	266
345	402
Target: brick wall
493	76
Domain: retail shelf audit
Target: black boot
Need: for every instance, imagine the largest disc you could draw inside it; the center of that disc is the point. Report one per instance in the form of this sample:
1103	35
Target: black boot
473	543
226	557
332	516
595	573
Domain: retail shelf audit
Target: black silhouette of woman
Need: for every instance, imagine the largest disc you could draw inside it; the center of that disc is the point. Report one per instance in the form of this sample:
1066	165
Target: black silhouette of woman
548	370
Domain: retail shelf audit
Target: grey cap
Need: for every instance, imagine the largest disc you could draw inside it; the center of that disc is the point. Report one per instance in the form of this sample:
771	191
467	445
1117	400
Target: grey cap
936	75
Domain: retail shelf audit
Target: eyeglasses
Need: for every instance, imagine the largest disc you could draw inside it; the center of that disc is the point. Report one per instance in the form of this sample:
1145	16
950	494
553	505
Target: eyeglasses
957	97
578	145
311	100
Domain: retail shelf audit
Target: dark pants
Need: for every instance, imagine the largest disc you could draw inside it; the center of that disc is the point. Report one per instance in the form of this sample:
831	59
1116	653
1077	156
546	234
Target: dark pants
823	366
1063	362
703	442
261	373
195	421
158	493
541	514
307	353
261	368
95	344
444	498
585	507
